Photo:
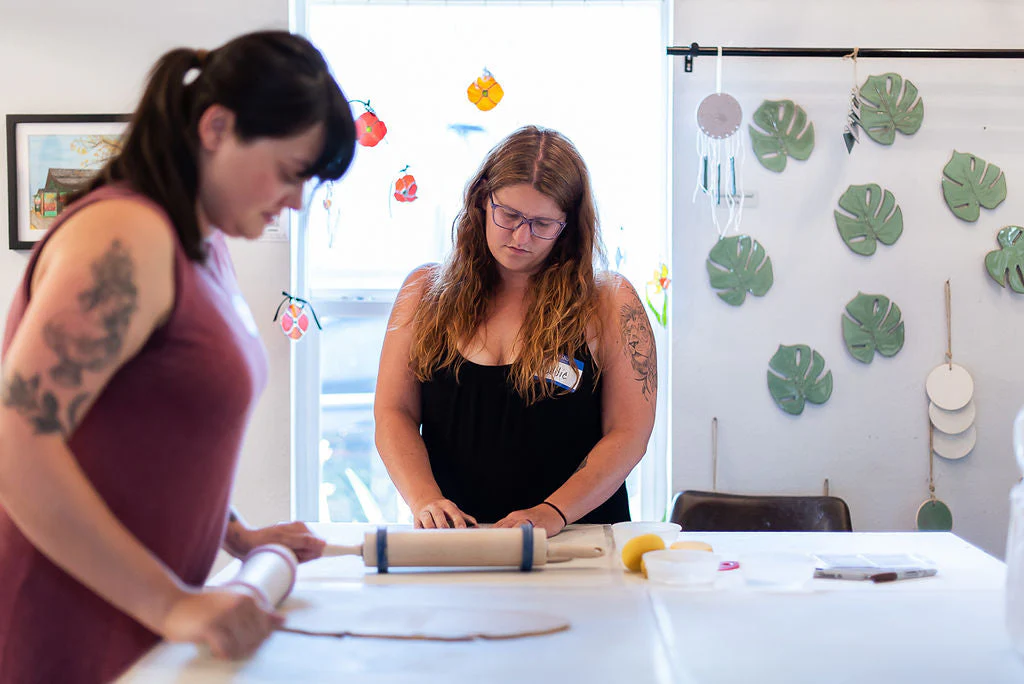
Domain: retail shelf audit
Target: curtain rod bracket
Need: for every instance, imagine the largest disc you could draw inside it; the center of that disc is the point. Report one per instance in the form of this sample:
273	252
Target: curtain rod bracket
688	61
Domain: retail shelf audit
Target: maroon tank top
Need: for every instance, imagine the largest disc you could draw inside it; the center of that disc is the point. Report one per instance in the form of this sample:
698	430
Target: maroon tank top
160	445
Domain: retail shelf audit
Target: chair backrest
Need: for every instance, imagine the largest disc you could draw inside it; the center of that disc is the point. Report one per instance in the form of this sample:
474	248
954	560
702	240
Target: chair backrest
714	512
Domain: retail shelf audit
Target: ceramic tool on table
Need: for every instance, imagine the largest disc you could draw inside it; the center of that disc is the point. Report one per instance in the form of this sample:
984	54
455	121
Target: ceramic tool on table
269	571
524	547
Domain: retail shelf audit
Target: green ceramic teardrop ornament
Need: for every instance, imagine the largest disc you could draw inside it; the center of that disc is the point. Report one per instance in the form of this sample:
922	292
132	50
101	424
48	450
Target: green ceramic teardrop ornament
797	375
969	183
888	103
934	516
872	323
783	131
1006	264
872	217
738	265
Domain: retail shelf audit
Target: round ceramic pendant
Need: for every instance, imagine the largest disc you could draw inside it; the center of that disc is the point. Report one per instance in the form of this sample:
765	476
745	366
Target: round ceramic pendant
952	422
719	115
294	322
954	447
934	516
950	388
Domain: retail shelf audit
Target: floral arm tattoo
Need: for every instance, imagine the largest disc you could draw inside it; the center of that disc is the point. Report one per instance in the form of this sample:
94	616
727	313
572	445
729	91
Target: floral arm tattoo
89	341
638	345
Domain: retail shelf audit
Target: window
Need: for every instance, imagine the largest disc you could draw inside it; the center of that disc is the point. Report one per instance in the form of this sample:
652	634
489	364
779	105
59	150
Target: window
596	71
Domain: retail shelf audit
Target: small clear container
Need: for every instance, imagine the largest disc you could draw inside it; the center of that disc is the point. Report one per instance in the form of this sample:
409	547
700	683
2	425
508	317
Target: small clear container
624	531
781	570
682	567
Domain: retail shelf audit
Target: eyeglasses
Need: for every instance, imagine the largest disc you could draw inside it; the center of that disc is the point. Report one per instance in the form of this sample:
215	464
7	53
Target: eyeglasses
510	219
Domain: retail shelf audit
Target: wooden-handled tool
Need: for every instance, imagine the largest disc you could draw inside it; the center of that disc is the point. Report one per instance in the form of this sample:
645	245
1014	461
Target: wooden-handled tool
524	547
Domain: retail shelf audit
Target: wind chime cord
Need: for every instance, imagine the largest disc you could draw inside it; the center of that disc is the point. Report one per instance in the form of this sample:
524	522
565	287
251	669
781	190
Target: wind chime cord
714	454
949	327
853	57
718	71
931	460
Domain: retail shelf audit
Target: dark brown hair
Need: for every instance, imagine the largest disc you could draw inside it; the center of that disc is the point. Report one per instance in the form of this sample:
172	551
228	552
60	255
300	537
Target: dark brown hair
277	85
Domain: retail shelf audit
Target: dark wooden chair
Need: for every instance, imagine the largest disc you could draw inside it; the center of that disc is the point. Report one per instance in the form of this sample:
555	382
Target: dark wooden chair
714	512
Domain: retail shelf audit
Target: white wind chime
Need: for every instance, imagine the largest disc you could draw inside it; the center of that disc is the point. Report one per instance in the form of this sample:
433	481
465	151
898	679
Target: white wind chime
720	155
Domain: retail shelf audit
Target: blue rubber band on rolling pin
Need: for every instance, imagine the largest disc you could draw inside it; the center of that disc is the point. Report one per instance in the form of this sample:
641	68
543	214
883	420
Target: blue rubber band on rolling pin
382	549
527	563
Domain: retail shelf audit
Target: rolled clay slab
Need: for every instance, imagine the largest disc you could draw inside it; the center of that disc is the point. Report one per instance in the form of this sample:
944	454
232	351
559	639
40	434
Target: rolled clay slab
954	446
950	388
423	622
952	422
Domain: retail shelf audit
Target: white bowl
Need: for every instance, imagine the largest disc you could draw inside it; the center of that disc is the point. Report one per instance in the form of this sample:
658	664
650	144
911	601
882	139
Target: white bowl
778	570
682	566
624	531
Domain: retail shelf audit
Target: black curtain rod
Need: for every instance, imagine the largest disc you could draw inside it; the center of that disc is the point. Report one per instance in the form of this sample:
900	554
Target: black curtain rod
696	50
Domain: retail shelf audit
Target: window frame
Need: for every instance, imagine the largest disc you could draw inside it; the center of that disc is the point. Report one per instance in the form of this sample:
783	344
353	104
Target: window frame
655	474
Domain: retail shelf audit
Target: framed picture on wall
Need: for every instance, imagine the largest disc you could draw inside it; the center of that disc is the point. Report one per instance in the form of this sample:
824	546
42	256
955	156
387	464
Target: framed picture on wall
49	158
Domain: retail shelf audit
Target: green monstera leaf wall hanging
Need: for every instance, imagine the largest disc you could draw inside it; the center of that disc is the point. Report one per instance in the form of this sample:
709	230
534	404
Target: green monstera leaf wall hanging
784	132
873	216
1006	264
888	104
738	265
797	375
969	182
872	323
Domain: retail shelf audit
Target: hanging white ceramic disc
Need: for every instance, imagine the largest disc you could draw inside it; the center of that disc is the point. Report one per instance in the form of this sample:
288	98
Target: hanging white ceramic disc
950	388
952	422
954	446
719	115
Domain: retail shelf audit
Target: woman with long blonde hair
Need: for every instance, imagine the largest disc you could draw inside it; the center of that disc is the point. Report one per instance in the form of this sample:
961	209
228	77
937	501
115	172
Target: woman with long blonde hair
518	380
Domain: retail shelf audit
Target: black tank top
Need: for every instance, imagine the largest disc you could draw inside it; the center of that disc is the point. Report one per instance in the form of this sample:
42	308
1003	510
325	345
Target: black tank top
492	454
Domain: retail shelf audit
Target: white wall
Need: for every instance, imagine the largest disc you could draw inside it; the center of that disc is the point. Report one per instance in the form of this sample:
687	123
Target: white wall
65	56
871	438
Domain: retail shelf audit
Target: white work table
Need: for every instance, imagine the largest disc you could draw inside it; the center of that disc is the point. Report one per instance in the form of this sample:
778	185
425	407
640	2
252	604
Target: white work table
947	628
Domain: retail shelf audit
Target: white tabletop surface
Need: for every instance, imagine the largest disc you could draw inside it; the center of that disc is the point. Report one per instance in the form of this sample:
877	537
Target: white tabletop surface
947	628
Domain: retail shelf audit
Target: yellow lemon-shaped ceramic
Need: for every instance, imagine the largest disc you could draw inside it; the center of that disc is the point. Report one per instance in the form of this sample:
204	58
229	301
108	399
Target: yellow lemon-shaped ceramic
633	551
692	546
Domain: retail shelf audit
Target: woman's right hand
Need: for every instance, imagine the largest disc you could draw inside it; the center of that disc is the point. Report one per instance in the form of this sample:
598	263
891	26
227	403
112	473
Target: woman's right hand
231	621
441	513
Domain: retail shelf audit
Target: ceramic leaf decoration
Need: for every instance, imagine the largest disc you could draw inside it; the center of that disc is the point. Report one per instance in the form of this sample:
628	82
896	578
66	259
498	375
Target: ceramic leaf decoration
872	216
1006	264
738	265
485	92
872	323
888	103
797	375
969	182
784	132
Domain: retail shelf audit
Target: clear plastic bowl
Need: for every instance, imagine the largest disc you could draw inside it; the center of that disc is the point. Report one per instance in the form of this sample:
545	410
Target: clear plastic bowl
624	531
781	570
682	566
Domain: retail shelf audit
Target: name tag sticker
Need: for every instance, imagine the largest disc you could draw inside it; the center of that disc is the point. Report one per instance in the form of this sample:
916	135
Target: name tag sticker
567	374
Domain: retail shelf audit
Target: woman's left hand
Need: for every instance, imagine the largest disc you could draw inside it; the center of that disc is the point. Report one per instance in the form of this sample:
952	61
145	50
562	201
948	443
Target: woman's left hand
296	536
539	516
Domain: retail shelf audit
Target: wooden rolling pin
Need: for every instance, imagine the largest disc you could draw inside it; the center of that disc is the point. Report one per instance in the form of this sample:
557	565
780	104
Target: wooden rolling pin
525	547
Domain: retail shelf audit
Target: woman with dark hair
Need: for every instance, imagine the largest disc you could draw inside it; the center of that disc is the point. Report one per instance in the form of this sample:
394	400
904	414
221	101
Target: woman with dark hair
518	380
131	365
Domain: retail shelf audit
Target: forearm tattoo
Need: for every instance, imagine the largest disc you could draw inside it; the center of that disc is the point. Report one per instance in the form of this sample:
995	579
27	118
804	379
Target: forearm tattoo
89	340
638	345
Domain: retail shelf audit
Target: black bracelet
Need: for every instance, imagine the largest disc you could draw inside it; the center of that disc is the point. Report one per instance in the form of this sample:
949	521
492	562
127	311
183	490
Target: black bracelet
558	511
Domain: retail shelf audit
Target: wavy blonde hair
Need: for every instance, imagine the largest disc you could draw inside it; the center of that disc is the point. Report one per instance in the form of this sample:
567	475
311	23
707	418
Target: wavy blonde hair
563	295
